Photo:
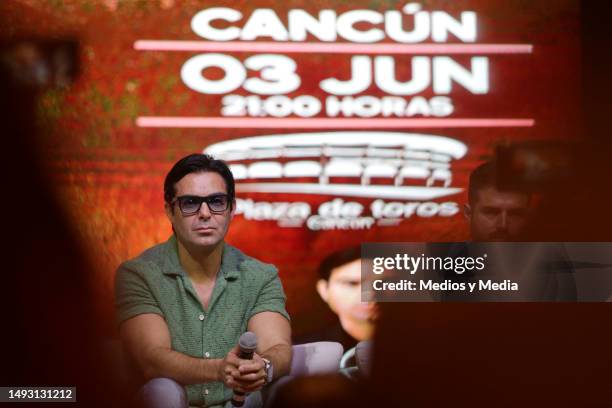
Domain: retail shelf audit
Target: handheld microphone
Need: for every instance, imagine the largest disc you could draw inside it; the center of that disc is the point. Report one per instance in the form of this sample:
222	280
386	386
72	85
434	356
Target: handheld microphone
246	345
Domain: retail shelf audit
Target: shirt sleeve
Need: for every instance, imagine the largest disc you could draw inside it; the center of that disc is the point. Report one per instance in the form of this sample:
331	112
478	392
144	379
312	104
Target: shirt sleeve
271	298
132	294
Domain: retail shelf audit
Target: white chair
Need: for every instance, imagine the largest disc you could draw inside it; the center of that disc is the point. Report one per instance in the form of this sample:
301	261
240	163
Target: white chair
321	357
360	356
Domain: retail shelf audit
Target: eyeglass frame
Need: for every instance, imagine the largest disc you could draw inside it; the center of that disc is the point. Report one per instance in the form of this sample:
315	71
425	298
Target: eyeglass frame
206	200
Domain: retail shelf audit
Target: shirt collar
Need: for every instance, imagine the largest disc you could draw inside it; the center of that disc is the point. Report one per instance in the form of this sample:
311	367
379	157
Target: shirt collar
230	260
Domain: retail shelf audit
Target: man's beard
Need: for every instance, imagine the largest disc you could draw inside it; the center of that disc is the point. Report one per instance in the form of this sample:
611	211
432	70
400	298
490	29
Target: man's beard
500	235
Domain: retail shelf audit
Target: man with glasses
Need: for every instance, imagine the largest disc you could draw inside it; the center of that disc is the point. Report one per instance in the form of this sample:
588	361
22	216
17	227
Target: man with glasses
182	305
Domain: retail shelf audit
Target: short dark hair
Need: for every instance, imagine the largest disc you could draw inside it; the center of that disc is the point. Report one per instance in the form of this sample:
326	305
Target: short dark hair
337	259
198	163
487	175
482	177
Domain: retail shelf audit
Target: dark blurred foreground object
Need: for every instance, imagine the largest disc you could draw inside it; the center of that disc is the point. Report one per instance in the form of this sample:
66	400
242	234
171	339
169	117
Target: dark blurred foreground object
492	355
50	335
322	391
571	181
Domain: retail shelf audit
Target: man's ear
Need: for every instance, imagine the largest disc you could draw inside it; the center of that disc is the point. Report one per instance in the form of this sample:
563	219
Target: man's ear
322	289
233	209
467	211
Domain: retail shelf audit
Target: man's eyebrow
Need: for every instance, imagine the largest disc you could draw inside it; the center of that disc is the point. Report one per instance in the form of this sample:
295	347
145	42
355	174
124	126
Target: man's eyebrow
206	196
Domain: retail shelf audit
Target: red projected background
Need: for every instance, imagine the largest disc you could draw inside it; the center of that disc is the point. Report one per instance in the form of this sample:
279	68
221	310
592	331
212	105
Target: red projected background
342	123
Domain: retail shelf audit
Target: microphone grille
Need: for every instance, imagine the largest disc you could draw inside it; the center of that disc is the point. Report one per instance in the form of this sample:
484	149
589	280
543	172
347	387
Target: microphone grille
248	341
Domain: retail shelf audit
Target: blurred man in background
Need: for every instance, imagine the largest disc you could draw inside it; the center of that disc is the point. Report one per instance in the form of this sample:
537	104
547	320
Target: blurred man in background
493	214
339	286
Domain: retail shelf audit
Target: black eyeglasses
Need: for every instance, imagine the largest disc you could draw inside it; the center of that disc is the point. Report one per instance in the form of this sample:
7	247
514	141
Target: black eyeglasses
190	205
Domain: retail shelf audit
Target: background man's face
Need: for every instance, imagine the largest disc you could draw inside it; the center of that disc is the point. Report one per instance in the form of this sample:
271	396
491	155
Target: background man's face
497	215
342	292
205	228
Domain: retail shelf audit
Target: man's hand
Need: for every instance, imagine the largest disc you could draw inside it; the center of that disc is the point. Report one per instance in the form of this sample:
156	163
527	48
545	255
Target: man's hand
228	369
252	373
243	375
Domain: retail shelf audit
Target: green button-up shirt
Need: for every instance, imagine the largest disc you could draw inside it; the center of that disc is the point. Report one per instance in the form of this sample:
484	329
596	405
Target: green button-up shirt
155	282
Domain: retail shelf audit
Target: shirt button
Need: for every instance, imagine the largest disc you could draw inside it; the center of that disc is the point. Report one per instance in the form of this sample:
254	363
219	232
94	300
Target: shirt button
206	391
201	317
207	354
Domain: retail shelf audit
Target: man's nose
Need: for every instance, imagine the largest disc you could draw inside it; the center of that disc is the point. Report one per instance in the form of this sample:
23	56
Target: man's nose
204	211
